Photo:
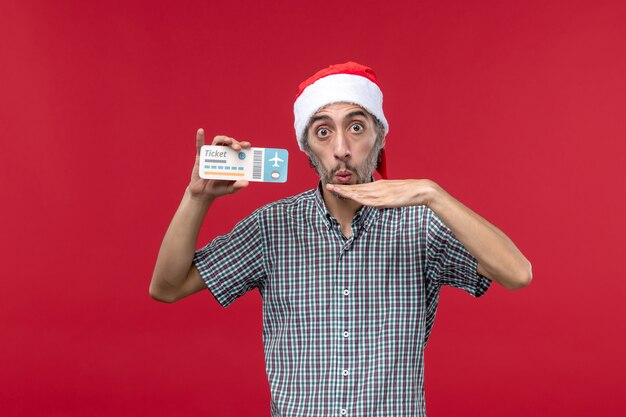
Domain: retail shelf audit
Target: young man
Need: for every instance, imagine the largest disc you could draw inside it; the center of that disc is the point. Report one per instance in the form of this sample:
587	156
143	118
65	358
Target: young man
349	272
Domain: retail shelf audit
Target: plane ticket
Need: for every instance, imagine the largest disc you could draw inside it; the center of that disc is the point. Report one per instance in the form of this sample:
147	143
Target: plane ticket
253	164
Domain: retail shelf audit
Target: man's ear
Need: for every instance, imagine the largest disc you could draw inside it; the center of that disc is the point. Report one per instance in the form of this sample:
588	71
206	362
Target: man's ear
382	142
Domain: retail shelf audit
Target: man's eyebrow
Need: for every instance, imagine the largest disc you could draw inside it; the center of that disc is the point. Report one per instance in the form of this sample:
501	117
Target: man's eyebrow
356	113
317	118
327	118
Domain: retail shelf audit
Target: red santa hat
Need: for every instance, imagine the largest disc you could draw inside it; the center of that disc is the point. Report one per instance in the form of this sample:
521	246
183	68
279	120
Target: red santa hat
343	83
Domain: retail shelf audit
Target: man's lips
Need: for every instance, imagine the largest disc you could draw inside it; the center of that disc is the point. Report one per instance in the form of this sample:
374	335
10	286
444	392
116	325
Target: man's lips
343	176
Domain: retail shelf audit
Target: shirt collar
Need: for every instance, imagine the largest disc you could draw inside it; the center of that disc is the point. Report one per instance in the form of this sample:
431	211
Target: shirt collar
366	216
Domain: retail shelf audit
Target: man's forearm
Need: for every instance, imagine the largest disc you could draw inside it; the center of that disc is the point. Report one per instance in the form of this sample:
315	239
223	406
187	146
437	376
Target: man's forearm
178	247
498	257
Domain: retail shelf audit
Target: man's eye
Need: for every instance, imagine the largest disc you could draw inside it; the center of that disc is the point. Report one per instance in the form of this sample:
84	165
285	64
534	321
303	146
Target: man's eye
357	127
322	132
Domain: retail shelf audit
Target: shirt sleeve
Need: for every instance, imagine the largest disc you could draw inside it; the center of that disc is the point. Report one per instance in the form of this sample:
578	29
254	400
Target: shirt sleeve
448	262
233	264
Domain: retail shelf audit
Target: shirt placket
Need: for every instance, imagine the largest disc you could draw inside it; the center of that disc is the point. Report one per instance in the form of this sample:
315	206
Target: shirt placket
345	326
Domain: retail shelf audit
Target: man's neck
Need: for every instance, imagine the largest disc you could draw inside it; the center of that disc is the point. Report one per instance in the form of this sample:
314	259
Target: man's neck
341	209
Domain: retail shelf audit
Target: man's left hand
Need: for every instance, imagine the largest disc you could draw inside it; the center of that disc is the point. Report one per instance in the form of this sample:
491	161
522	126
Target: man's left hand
388	193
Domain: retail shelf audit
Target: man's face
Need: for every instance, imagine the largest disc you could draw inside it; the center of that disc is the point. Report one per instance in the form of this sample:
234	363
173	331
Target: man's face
342	144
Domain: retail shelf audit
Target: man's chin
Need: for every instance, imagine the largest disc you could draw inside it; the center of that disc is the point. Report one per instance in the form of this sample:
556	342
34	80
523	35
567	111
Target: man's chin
334	194
338	196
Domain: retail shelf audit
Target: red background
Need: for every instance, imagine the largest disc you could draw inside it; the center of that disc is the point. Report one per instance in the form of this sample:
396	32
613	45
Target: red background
516	108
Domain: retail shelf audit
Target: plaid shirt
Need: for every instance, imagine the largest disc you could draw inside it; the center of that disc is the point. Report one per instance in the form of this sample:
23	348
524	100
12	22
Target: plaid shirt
345	321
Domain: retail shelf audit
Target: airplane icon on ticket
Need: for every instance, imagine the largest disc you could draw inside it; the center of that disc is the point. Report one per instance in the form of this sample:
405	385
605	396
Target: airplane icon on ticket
276	160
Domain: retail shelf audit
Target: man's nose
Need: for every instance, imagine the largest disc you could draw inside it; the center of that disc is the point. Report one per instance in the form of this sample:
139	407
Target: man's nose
342	147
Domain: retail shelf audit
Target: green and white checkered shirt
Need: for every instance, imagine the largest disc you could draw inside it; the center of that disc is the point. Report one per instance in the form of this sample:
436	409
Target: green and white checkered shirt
345	321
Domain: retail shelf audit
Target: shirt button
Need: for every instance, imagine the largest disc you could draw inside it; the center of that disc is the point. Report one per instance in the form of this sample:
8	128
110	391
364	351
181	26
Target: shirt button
346	334
346	372
346	292
344	411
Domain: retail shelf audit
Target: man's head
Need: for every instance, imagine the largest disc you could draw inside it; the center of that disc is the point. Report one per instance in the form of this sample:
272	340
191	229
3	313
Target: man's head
344	142
340	107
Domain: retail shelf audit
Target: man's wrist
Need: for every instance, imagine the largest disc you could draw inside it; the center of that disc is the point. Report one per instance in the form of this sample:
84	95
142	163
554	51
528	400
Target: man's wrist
200	200
434	196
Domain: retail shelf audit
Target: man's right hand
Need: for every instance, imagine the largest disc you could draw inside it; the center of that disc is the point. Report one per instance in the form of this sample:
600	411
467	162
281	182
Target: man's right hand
175	275
201	188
